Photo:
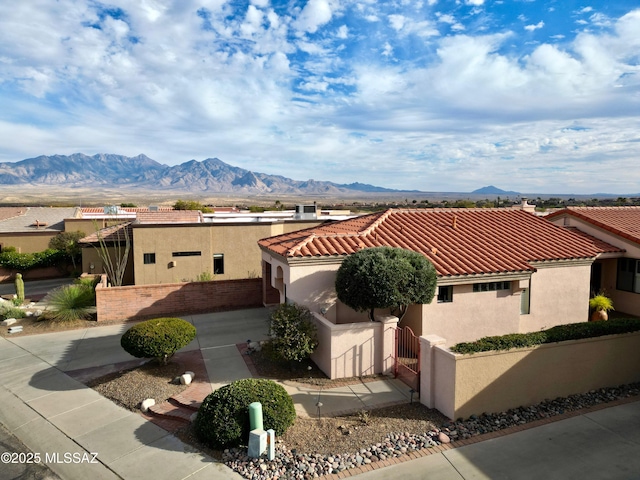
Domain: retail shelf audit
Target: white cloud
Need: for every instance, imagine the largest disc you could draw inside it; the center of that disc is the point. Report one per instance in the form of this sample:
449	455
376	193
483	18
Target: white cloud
343	32
397	21
537	26
314	14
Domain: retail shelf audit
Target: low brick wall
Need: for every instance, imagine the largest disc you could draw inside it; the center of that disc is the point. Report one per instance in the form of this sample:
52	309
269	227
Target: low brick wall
463	385
169	299
33	274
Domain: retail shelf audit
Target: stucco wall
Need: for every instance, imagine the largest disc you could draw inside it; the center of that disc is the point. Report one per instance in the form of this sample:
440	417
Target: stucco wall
472	315
559	295
237	242
27	242
497	381
356	349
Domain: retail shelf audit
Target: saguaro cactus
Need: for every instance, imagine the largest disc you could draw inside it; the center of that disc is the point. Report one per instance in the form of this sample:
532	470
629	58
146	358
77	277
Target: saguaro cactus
19	287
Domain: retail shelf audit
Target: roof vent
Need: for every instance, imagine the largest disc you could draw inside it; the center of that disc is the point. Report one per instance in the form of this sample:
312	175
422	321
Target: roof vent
111	210
455	221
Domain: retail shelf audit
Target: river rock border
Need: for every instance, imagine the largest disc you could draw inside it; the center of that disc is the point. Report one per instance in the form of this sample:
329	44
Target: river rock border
290	464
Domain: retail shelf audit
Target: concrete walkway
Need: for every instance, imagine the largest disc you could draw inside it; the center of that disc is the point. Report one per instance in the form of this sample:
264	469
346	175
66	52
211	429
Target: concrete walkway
66	422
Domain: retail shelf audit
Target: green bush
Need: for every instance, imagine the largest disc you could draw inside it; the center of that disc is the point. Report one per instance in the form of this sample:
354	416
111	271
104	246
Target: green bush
223	417
158	338
13	260
9	311
70	303
294	335
561	333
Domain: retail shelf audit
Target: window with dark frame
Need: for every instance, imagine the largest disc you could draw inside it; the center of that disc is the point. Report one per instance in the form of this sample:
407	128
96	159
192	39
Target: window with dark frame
218	263
149	258
628	275
491	286
186	254
445	294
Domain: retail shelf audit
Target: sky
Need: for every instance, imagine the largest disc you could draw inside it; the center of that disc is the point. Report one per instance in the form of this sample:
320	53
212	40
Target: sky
432	95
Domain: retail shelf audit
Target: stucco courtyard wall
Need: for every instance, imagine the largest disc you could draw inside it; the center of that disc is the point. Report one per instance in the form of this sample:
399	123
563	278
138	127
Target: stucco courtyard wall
355	349
463	385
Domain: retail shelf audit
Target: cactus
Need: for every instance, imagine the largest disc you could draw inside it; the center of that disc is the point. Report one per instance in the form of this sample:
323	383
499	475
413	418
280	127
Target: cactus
19	287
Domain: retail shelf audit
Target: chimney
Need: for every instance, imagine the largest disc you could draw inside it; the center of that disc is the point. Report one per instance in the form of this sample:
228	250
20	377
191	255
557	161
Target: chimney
455	221
525	206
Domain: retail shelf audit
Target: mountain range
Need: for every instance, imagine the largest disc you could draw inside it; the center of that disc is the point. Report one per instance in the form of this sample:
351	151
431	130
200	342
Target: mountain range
211	176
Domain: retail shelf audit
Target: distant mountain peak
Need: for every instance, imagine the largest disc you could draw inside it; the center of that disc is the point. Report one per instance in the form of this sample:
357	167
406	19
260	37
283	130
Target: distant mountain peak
211	175
491	190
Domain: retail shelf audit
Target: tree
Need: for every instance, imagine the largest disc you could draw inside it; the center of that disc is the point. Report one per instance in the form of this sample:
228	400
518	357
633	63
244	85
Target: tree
385	277
67	242
114	258
190	205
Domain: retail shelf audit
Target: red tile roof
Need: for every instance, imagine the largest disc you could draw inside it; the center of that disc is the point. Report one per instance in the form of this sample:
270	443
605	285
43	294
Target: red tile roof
457	241
622	221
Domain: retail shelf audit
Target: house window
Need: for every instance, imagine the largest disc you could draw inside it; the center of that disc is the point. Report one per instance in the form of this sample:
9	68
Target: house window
186	254
218	263
491	286
628	278
149	258
445	294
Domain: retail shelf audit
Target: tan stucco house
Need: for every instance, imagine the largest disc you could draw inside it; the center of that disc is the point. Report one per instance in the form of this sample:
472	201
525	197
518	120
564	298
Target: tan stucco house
29	229
179	245
499	271
616	275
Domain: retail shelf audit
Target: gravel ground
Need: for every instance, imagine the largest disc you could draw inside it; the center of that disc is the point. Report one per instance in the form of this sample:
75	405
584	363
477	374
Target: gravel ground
128	388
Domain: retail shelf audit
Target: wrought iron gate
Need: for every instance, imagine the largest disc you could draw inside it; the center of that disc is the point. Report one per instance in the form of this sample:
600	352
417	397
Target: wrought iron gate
407	357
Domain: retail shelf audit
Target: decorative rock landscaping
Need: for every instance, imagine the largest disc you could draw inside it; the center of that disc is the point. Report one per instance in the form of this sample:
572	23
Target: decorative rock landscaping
289	464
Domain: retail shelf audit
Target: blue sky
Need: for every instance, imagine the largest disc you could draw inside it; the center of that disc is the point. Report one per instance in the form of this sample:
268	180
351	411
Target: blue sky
433	95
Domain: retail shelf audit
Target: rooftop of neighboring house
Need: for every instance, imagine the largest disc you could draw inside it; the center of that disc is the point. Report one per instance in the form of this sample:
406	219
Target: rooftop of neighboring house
622	221
457	241
112	234
34	219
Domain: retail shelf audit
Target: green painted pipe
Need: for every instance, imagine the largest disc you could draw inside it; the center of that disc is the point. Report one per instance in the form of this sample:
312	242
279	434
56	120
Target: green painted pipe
255	416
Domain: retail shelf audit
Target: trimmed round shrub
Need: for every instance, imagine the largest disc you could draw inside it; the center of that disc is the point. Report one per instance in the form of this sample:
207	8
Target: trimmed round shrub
223	417
158	338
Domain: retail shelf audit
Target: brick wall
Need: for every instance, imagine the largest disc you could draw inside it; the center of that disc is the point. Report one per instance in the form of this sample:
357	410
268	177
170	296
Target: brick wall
33	274
170	299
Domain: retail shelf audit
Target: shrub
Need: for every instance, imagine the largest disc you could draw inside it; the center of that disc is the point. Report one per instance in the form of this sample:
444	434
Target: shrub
560	333
293	331
70	303
158	338
11	312
13	260
223	417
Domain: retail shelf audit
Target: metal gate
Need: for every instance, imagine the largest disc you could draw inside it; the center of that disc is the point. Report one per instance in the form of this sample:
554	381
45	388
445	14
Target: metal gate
407	357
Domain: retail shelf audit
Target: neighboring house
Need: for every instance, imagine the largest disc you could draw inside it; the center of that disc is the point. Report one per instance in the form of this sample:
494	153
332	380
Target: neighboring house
29	229
618	276
499	271
179	245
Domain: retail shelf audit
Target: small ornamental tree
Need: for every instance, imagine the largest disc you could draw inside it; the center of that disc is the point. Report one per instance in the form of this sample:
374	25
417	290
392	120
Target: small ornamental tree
158	338
293	332
385	277
67	242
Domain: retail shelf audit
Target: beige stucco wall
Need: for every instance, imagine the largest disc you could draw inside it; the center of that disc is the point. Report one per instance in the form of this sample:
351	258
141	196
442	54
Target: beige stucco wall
236	241
91	258
497	381
354	349
559	295
27	242
472	315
